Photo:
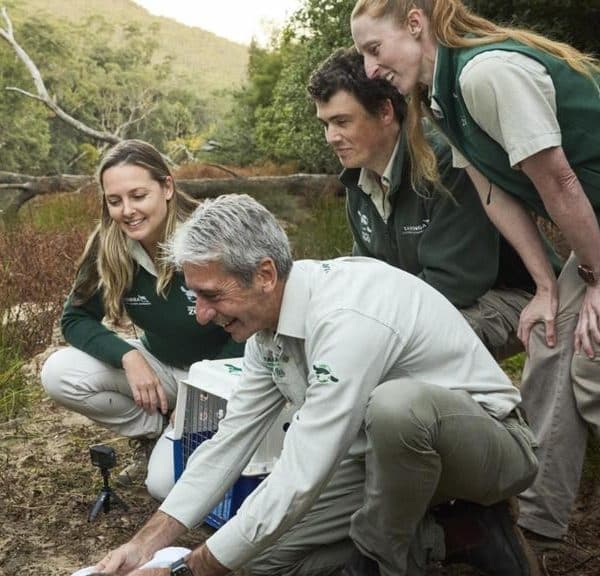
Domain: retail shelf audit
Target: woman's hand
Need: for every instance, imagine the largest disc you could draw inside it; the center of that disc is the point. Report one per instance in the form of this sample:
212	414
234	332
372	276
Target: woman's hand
587	331
541	308
146	388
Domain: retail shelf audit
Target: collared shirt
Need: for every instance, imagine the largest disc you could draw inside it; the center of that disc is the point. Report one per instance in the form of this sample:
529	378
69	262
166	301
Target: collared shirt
345	326
512	99
142	257
378	188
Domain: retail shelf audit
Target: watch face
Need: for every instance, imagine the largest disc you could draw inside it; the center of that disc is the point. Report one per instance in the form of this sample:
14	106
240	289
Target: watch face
180	568
586	274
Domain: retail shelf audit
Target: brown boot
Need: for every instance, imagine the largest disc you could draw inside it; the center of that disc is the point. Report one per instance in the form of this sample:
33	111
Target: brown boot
487	538
134	474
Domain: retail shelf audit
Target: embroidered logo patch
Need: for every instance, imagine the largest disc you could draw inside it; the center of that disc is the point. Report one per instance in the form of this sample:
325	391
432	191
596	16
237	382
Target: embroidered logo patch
231	369
366	231
189	294
138	300
323	373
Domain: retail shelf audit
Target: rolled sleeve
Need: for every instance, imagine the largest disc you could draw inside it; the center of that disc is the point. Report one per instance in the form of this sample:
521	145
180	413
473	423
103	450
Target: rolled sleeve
513	99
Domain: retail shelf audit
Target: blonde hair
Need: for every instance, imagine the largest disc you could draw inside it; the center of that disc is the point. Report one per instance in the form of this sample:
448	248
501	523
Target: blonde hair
451	21
106	262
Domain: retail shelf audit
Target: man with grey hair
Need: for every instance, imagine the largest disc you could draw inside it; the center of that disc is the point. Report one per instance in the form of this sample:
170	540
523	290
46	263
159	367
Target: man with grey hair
400	408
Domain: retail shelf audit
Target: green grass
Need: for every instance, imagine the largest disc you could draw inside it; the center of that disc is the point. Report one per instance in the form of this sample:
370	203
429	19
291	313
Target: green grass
324	233
513	366
13	389
61	212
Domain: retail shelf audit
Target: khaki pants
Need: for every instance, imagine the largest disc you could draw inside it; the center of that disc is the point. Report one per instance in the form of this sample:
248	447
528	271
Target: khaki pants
495	319
101	392
426	445
561	396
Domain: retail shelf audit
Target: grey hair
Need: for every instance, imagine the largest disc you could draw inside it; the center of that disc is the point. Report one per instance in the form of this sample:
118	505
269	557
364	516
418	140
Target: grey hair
234	230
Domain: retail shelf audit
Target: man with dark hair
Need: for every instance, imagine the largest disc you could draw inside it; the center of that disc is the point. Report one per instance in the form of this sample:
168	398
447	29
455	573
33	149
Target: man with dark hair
442	236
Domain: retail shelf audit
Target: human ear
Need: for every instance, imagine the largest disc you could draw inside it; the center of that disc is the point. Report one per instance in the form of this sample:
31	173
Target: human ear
169	187
414	22
386	112
266	275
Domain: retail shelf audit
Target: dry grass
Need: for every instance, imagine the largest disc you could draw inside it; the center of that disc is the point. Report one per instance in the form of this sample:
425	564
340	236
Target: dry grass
203	170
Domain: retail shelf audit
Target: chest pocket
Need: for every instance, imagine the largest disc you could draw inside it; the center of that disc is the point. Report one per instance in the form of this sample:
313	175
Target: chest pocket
290	376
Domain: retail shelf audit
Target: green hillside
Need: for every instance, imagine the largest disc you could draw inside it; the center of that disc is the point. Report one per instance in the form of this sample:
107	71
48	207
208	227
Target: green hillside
199	58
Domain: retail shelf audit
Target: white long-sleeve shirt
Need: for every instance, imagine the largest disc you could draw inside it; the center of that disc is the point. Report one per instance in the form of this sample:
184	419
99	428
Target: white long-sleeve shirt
345	326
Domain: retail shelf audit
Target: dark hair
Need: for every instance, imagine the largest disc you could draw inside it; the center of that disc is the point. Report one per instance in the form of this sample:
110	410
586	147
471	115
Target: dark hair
344	70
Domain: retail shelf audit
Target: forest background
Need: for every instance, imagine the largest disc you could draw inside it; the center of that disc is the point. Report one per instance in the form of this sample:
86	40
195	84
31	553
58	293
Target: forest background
204	101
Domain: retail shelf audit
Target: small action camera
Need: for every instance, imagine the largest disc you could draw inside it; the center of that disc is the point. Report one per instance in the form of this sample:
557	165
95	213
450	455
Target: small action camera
103	456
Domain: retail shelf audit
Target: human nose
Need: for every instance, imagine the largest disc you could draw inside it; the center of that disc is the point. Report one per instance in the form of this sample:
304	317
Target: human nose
128	207
371	67
332	134
204	311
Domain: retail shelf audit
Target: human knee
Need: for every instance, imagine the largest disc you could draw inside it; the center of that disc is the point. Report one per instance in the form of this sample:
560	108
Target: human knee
161	477
400	410
585	373
52	373
267	564
159	483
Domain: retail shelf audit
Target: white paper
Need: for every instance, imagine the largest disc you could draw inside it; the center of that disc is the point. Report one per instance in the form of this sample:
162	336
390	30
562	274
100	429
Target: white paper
162	559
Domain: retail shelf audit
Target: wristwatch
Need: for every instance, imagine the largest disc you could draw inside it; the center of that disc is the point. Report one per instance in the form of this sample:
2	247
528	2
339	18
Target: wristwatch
587	275
180	568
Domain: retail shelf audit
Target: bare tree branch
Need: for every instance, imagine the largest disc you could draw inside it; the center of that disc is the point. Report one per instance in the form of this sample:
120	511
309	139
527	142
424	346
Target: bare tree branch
42	92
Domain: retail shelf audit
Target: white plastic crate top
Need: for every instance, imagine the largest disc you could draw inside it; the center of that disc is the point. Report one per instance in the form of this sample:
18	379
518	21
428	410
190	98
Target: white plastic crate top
219	378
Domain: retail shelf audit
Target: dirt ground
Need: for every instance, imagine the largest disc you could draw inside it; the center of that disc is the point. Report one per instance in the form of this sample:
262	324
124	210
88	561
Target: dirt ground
47	485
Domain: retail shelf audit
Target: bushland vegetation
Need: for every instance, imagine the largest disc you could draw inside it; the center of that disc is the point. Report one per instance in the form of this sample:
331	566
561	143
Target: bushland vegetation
272	117
38	255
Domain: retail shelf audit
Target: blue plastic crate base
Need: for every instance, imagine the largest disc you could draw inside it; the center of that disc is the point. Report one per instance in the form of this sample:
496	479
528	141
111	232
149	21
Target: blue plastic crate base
201	405
233	498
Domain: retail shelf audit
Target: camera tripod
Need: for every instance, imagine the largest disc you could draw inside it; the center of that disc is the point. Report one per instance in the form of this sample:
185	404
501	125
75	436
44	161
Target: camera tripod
104	498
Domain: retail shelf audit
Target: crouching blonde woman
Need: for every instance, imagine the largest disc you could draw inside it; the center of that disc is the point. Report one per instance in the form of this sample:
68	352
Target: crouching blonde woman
130	386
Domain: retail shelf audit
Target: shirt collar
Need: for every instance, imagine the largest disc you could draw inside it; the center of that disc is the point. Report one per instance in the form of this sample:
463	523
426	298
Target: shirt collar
141	256
435	108
368	178
294	304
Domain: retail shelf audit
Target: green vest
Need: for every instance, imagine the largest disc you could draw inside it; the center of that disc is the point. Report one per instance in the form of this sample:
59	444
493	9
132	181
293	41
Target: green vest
578	113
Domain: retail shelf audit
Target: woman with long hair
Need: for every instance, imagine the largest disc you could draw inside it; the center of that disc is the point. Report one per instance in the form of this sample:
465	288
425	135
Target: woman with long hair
130	386
522	113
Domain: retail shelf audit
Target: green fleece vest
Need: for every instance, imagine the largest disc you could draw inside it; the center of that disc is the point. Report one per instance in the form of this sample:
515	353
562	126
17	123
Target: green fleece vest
578	113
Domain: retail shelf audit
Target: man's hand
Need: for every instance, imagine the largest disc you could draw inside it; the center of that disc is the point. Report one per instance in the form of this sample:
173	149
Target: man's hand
145	385
587	332
541	308
151	572
123	560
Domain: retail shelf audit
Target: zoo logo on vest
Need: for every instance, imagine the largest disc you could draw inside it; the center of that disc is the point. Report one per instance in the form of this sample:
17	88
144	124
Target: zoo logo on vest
139	300
191	296
366	231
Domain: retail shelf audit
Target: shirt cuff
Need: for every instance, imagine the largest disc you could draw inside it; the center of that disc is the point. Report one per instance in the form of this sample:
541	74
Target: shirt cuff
458	160
229	546
533	146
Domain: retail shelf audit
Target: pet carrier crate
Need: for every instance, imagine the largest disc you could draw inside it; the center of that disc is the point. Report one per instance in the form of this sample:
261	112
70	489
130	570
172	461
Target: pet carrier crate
201	405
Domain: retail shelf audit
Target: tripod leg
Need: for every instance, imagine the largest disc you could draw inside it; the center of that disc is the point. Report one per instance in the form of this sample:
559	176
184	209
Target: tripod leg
118	502
101	501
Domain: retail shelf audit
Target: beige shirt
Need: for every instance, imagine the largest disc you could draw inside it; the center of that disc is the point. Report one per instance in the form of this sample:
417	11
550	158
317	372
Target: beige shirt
345	326
512	98
378	189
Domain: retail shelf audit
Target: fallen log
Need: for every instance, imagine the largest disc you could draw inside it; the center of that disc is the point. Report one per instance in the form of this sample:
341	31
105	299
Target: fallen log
17	189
